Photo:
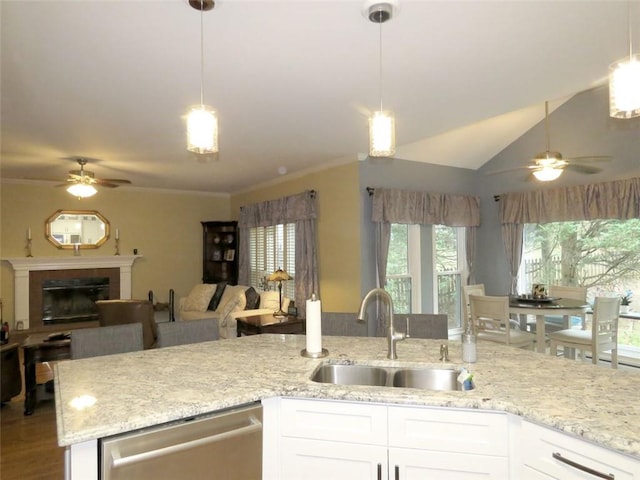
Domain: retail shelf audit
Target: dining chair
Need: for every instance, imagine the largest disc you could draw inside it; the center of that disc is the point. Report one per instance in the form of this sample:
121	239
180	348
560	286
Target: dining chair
99	341
423	325
554	323
123	311
475	289
342	324
188	331
490	321
602	337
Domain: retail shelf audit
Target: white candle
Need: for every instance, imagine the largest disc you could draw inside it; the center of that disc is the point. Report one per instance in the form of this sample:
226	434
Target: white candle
29	234
117	234
314	328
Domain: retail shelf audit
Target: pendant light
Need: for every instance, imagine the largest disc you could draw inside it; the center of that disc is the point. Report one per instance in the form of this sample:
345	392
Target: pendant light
382	128
624	83
202	120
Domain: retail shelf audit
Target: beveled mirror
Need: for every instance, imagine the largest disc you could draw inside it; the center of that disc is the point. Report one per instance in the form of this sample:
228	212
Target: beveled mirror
86	228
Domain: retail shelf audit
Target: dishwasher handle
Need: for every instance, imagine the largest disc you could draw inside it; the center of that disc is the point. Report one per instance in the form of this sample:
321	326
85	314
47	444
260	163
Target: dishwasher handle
118	461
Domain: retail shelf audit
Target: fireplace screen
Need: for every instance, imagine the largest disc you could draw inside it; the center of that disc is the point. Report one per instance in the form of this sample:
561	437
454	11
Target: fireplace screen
72	300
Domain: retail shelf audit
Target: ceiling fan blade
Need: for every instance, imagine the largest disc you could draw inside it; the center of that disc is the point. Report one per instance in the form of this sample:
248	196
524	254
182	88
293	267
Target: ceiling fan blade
592	158
513	169
114	180
588	169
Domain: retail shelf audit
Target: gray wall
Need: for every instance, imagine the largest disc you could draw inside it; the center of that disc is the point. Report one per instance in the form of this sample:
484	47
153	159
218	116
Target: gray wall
580	127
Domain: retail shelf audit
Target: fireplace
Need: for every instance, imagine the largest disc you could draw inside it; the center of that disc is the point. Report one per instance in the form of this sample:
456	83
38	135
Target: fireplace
72	300
31	273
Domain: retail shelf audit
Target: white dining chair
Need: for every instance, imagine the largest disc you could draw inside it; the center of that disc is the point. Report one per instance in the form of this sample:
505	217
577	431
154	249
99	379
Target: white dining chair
602	337
553	323
490	321
475	289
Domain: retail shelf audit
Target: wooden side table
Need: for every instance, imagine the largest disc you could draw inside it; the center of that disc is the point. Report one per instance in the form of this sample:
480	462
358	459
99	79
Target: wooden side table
267	323
36	350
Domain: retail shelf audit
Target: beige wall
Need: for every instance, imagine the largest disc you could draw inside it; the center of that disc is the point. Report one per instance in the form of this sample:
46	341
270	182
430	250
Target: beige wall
338	232
164	227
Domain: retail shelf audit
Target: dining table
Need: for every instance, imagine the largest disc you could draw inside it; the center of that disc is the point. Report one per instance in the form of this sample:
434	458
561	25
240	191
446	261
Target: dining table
523	305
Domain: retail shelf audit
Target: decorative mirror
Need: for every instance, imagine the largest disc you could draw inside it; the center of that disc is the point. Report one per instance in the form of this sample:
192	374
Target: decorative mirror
86	228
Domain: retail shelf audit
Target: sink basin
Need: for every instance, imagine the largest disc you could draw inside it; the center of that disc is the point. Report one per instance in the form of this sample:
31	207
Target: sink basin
351	375
427	379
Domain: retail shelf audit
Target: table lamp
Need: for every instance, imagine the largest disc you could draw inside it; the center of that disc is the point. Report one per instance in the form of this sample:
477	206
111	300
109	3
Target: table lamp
279	276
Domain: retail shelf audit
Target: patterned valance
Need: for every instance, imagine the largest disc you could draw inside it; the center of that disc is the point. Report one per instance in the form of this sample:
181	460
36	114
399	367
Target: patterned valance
281	210
424	208
618	199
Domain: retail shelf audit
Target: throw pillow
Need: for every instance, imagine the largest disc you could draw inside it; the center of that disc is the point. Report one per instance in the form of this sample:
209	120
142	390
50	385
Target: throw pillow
234	304
271	301
253	299
215	300
199	297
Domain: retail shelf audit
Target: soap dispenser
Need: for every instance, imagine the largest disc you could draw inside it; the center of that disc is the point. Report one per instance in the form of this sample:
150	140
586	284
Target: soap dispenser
469	350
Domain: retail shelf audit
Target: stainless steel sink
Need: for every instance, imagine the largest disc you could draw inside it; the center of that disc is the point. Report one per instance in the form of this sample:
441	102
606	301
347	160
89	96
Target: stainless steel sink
428	378
351	375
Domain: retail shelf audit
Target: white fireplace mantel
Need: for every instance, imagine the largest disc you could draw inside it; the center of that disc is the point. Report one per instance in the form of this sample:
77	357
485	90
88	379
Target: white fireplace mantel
23	265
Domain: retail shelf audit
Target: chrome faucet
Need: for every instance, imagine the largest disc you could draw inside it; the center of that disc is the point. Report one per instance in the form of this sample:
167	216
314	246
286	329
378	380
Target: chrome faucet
392	335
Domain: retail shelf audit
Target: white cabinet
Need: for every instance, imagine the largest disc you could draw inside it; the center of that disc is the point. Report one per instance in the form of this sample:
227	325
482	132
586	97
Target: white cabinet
549	454
347	440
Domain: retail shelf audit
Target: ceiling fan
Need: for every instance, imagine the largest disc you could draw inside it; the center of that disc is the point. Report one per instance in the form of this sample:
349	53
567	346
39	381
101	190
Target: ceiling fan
81	183
549	165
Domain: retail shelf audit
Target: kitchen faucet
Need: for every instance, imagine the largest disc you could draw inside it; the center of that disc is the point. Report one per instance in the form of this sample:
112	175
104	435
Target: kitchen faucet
392	335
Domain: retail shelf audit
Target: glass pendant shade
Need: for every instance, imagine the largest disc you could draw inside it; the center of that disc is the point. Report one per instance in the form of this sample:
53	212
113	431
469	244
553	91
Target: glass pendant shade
82	190
202	129
624	87
382	134
547	174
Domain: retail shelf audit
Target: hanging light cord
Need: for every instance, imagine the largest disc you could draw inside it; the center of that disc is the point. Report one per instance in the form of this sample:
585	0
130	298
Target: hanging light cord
630	38
546	123
201	52
380	56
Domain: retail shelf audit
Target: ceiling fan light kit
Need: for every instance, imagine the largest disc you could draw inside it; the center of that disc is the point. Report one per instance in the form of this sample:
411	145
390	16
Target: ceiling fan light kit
547	174
202	120
382	125
624	82
82	190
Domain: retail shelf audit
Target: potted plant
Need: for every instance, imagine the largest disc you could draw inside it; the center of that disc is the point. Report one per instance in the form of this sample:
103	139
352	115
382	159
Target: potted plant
625	301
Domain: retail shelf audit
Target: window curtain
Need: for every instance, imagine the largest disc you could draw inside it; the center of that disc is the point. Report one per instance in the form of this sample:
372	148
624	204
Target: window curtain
609	200
301	210
423	208
470	236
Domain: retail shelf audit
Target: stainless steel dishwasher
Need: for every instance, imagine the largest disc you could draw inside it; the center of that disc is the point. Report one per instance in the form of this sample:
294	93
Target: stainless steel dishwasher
225	445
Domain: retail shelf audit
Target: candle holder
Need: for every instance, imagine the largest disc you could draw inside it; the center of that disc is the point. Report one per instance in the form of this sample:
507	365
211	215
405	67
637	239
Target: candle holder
28	248
117	247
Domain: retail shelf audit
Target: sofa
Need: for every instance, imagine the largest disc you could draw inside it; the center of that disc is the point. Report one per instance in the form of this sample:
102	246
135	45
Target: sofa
225	303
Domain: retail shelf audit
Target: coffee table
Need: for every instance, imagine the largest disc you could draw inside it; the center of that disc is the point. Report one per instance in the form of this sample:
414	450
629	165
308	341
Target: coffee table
267	323
37	350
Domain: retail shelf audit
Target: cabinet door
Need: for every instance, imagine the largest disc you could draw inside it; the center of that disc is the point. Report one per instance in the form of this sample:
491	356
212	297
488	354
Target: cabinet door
539	444
409	464
449	430
339	421
323	460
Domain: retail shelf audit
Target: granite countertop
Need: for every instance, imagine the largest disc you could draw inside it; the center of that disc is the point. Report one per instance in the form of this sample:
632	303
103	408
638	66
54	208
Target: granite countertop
142	389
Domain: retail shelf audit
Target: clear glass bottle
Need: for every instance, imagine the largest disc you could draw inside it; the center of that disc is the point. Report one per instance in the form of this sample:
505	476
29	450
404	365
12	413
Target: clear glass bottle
469	350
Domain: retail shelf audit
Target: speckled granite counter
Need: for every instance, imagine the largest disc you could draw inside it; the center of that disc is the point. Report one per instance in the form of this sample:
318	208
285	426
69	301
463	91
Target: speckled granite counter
147	388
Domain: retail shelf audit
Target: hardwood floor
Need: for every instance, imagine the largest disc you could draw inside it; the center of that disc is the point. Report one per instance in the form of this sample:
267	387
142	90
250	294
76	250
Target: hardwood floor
29	444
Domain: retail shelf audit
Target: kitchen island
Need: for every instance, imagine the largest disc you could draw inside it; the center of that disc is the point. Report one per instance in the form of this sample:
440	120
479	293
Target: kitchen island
136	390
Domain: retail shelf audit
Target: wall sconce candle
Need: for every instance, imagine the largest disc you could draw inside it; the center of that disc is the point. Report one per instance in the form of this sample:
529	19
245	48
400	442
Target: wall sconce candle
29	234
117	234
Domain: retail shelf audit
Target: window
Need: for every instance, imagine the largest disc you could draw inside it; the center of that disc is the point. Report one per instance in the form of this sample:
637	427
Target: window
445	255
450	272
271	248
403	262
602	255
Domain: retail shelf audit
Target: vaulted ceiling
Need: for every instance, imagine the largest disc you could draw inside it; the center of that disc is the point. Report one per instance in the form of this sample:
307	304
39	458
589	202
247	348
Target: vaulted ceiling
293	82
